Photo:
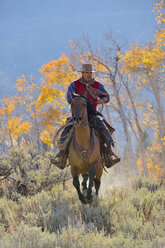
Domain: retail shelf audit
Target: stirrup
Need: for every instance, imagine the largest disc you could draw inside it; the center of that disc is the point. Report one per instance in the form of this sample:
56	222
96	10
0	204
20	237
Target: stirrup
59	160
57	164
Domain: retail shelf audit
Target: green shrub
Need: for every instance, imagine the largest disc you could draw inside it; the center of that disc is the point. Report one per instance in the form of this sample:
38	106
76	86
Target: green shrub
31	237
124	217
10	212
151	184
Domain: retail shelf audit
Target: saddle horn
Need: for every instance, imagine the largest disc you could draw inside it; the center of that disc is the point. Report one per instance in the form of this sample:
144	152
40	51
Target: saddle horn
73	95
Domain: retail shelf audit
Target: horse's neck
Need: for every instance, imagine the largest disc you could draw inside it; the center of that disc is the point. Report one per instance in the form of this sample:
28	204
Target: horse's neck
82	135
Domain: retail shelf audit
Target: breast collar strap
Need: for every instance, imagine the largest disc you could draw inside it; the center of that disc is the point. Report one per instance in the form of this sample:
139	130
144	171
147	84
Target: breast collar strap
85	154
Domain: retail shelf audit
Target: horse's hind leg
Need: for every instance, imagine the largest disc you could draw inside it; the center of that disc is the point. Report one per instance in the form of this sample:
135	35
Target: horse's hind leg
97	185
97	179
76	183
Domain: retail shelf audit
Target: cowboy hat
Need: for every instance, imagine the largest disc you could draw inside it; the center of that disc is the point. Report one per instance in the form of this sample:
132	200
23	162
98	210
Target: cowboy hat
87	68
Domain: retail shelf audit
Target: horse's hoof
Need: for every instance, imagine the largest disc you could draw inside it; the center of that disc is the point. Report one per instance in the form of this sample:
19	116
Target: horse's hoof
89	199
83	199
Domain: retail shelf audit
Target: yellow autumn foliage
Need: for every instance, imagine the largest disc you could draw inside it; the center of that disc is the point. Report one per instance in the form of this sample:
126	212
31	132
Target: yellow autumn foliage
154	170
142	58
158	9
50	116
49	95
16	126
57	75
8	105
28	90
147	57
160	37
149	121
20	83
45	137
1	135
58	72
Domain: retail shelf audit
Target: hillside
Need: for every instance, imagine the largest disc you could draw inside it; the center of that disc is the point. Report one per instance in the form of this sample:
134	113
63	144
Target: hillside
50	215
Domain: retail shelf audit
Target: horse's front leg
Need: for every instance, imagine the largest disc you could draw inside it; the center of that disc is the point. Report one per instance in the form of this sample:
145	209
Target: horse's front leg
84	183
91	174
76	183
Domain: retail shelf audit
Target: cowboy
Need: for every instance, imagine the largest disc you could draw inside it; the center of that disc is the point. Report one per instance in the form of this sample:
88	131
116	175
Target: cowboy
95	94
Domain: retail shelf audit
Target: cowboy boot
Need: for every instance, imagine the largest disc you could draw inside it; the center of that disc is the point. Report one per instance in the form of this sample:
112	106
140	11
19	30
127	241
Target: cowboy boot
60	160
107	156
107	140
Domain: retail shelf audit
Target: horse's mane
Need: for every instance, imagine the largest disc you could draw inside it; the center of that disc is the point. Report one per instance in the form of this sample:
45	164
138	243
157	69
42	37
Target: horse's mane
90	110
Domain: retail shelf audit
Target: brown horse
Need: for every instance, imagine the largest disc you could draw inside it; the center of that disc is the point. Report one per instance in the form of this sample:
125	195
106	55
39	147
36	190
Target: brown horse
84	151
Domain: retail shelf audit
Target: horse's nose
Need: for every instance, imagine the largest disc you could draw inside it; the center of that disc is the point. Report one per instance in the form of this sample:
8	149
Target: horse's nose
77	119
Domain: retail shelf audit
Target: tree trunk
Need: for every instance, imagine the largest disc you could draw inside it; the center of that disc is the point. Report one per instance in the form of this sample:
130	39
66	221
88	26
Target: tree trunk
130	155
141	150
37	129
140	132
116	168
160	117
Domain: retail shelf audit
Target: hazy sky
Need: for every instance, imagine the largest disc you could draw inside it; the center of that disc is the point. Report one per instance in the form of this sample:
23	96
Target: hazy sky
35	31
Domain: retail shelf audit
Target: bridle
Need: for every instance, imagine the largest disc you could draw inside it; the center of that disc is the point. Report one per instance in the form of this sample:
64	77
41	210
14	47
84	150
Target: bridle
80	119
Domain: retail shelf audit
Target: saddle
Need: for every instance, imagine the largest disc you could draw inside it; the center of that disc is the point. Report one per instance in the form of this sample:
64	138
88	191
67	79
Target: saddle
65	134
105	149
110	128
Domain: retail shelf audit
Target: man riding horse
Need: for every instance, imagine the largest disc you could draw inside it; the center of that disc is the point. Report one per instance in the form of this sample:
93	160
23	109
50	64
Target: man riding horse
95	93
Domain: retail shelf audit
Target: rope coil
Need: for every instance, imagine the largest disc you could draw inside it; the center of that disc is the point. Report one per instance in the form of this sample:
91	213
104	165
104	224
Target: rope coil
57	140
